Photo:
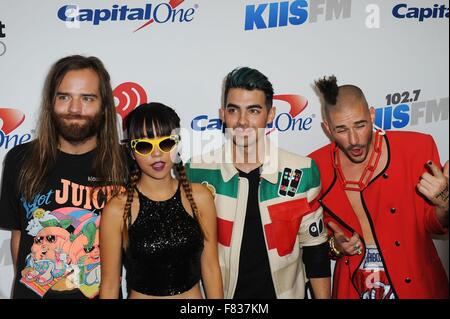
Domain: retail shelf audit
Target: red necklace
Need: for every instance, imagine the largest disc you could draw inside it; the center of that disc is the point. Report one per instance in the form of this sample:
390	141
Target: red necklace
369	170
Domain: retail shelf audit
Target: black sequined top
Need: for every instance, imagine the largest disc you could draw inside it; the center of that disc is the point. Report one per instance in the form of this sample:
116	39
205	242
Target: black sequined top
165	247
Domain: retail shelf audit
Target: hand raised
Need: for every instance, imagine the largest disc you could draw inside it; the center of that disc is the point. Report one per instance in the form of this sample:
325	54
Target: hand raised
434	186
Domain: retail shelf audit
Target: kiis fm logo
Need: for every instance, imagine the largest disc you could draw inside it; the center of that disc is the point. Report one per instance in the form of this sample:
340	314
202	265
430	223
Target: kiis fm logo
295	13
283	122
10	119
160	13
404	108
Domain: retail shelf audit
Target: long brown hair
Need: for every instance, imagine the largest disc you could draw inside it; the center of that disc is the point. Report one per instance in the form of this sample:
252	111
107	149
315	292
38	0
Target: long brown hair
108	165
158	120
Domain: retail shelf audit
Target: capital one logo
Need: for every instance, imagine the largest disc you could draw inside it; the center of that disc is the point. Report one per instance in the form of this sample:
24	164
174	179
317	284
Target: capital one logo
438	11
283	122
128	96
161	13
10	120
173	4
291	121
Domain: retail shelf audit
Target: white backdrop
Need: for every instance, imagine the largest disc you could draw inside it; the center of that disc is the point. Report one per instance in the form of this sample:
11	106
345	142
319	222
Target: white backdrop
391	49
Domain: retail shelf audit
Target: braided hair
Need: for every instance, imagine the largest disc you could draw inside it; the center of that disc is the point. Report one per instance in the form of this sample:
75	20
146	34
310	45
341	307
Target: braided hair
188	191
135	174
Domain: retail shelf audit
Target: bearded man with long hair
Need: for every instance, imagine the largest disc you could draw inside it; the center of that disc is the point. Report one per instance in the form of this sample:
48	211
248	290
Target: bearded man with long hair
59	182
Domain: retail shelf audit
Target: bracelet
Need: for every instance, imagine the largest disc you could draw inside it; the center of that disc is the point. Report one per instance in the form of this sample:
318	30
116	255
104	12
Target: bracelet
334	252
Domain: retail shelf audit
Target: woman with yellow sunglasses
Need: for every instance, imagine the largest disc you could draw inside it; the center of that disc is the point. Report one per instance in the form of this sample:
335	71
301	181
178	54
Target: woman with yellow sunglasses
165	227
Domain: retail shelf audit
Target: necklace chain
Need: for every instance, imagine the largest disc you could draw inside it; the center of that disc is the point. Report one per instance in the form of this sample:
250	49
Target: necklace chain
369	170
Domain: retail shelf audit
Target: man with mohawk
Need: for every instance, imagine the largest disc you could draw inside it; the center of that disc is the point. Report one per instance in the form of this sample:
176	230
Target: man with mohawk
384	194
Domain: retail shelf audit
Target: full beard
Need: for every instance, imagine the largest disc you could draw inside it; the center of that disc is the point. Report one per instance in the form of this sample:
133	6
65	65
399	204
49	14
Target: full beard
75	132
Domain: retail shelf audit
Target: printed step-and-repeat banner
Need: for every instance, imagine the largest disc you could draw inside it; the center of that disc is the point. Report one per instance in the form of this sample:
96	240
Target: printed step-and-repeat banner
179	51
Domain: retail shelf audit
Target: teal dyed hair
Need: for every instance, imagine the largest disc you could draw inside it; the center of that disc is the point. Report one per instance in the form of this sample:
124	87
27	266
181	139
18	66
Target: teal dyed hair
248	79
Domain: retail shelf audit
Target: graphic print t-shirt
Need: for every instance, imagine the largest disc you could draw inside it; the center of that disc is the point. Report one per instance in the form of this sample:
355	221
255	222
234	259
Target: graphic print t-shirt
59	246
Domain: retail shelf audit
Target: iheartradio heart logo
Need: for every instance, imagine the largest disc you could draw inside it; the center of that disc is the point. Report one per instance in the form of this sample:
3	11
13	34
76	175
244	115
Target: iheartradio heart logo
128	96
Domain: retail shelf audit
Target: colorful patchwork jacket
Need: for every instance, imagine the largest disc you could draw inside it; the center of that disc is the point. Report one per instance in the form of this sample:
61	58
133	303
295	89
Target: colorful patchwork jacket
291	216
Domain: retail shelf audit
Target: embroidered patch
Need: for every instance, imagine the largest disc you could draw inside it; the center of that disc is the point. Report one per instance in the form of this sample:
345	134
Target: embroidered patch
290	181
285	180
295	181
316	228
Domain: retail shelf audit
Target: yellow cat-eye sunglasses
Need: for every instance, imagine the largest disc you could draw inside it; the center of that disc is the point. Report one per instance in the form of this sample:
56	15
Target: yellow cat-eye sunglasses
145	146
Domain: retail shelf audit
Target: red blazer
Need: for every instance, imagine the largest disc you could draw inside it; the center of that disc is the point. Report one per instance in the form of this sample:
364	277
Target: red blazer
402	221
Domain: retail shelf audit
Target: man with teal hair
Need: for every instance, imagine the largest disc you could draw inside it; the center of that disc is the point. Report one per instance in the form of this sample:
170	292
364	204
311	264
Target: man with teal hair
270	229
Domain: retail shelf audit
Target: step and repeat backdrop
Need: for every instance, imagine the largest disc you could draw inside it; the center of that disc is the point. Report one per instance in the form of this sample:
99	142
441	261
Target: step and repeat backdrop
179	51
